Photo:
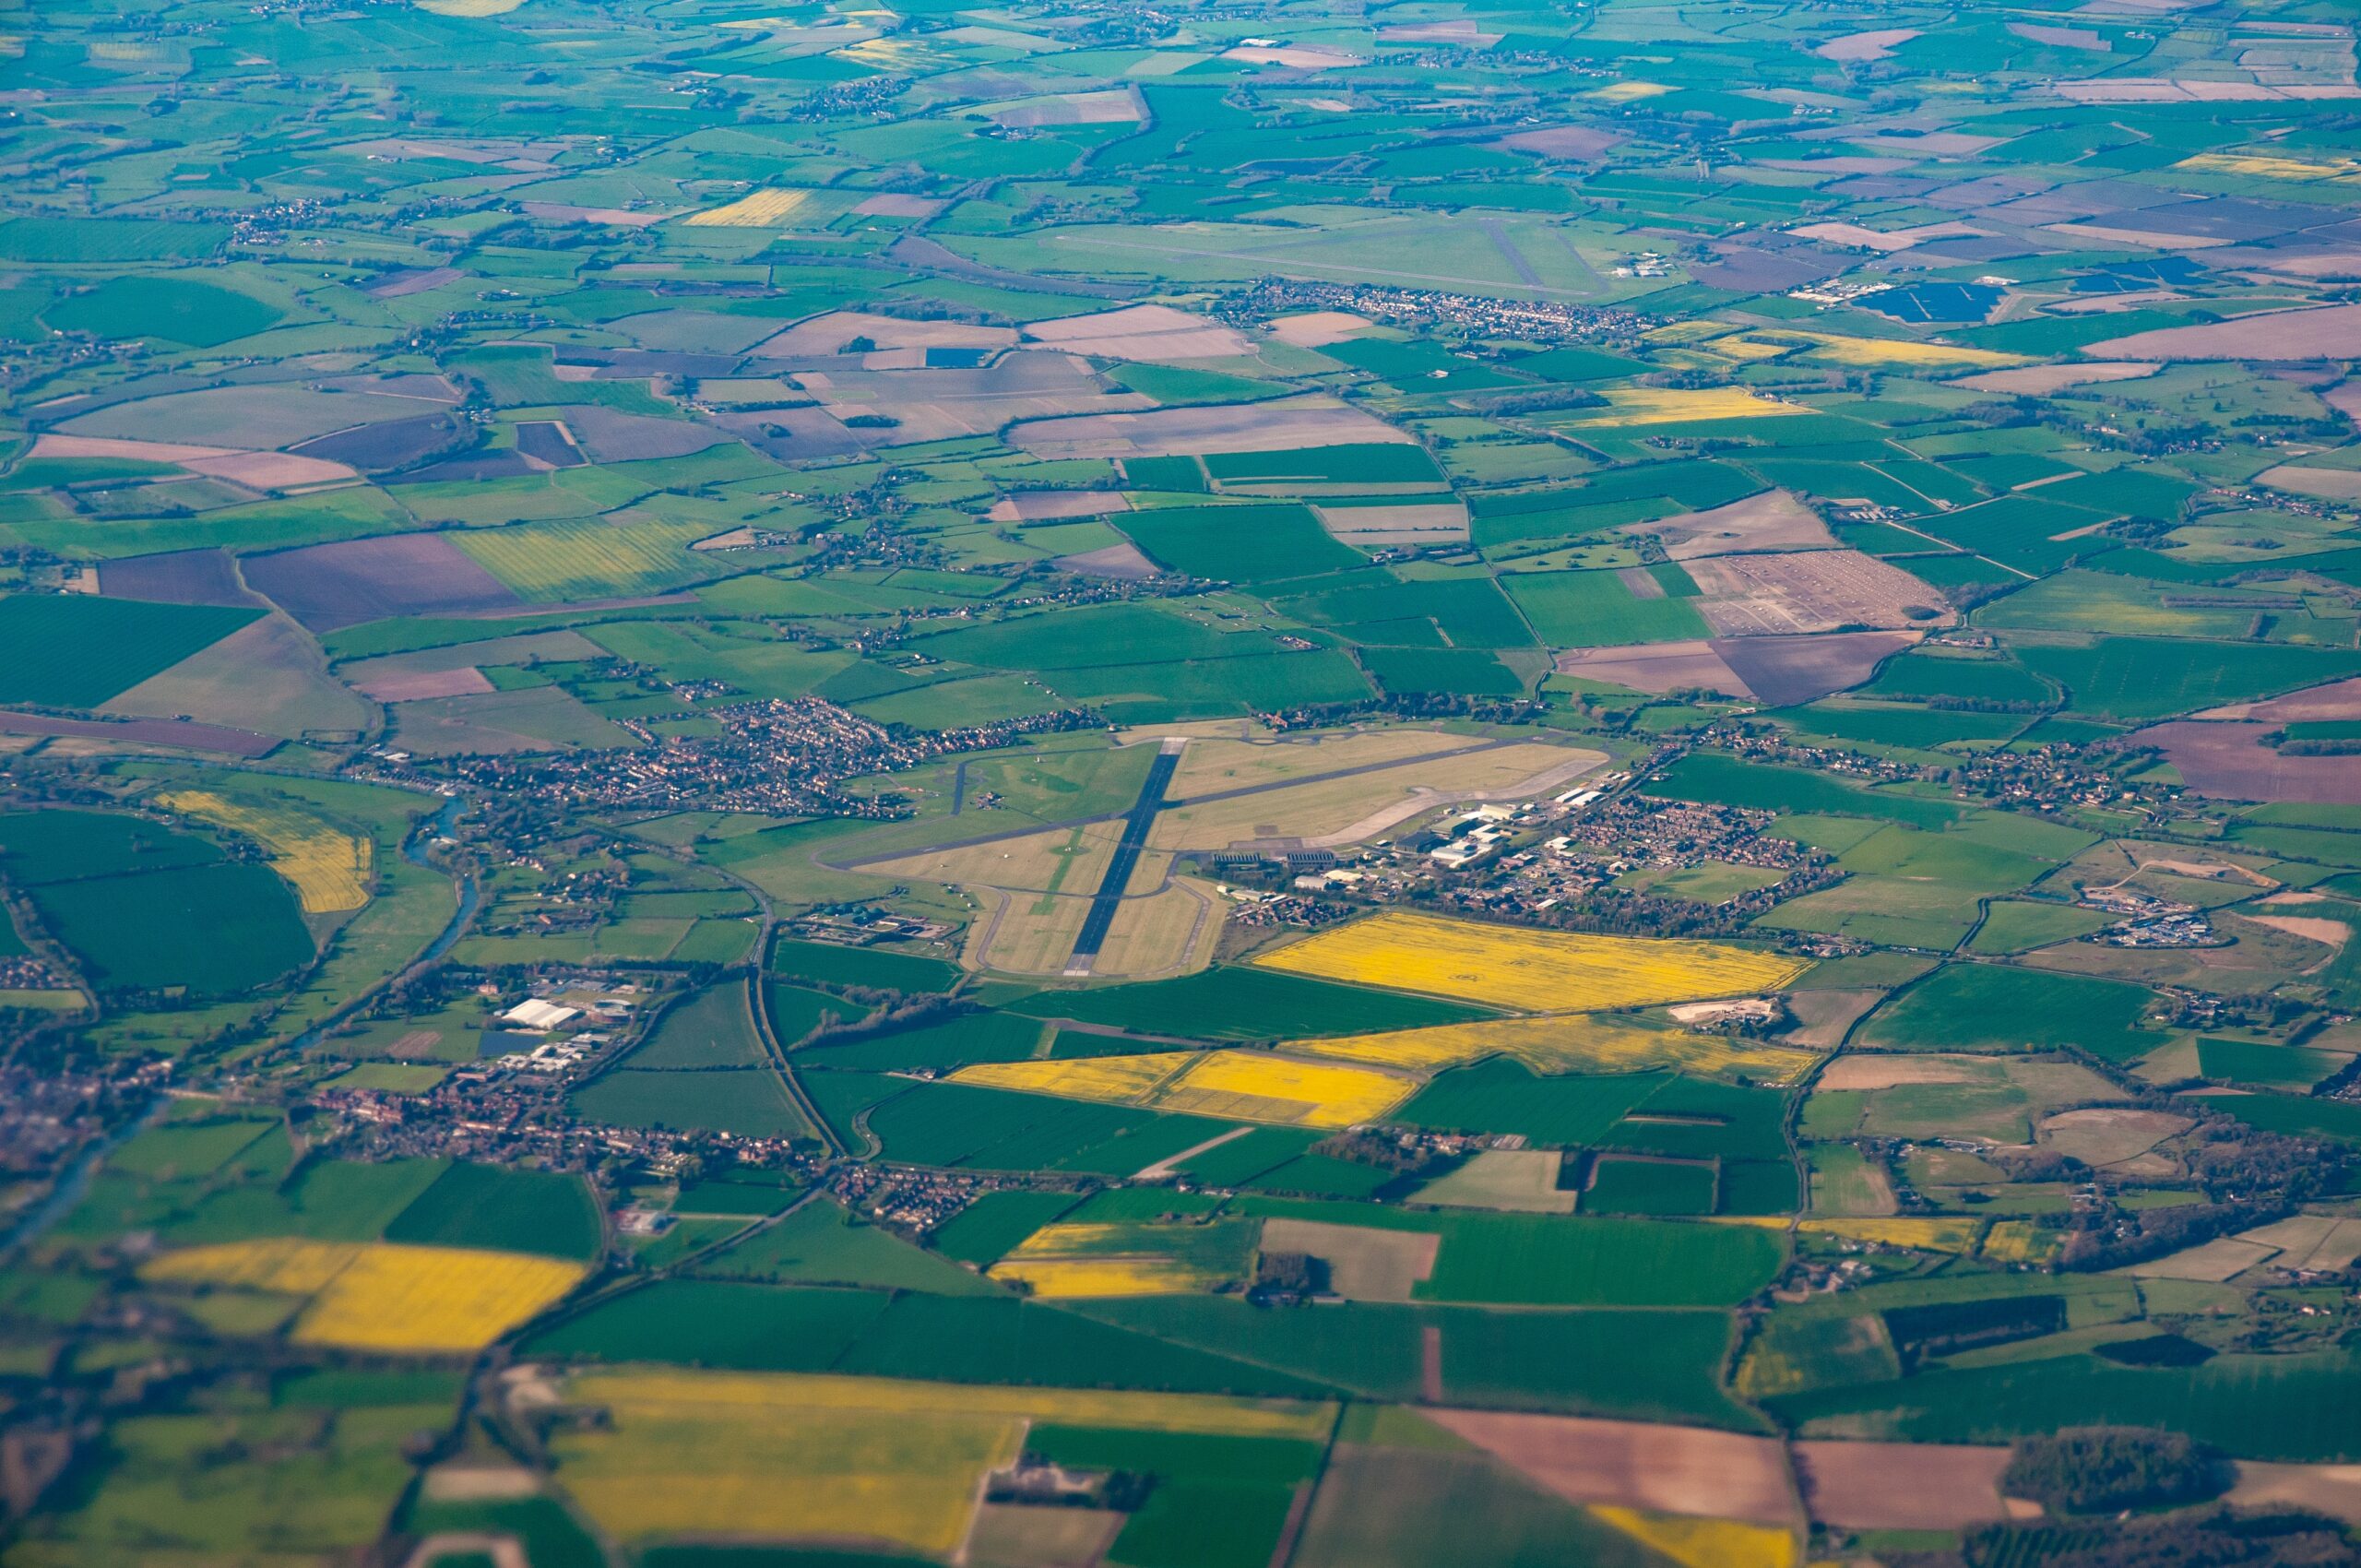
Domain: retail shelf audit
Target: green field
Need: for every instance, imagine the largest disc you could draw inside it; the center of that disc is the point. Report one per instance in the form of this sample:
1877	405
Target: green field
712	1028
504	1210
1595	610
72	650
1240	544
821	1245
180	310
214	930
1995	1007
748	1101
1234	1002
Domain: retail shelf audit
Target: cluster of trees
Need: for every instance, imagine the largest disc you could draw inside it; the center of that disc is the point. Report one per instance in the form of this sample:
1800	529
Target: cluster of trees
2224	1538
2104	1470
1366	1145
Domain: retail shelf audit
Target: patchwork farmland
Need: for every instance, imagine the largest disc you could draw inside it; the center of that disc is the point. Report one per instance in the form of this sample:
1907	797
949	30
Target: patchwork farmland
1460	785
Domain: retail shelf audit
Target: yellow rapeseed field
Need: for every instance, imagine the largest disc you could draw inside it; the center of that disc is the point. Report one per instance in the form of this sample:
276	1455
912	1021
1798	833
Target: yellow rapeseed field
1250	1085
1259	1086
287	1266
1889	351
1677	404
793	1396
1920	1233
1705	1543
1577	1043
1749	348
383	1295
1536	970
2257	166
2020	1241
1114	1079
1627	92
330	870
1077	1278
787	1457
764	209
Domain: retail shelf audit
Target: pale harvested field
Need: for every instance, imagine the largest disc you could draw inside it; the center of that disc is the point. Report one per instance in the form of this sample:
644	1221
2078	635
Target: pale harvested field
416	685
1274	426
1667	1469
1459	30
1050	1538
2330	333
271	470
1118	106
825	336
1902	1486
2104	1135
1038	506
1773	520
894	204
532	647
463	1482
2332	1490
1889	240
2214	1262
267	676
1654	668
1142	332
1823	1016
1314	329
2332	934
1522	1180
1304	57
257	470
2327	484
1365	1263
1857	1072
1819	591
1373	525
2040	380
1875	44
2321	1242
1122	562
